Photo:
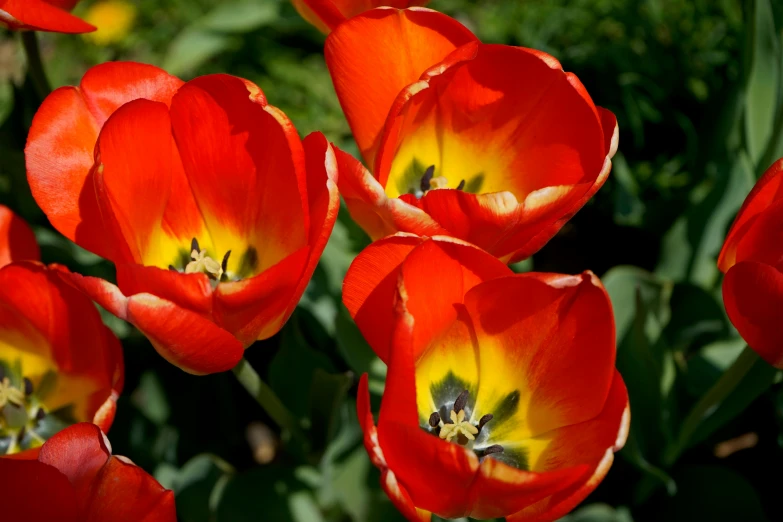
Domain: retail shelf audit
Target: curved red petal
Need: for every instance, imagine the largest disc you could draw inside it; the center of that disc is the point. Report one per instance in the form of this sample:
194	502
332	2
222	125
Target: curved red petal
246	167
256	308
753	296
373	56
24	480
768	190
17	241
39	15
134	162
190	291
123	492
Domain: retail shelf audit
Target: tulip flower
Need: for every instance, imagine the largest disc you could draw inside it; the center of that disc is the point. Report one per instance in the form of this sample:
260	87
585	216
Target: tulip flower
491	144
213	210
75	478
328	14
58	363
501	399
42	15
17	241
752	259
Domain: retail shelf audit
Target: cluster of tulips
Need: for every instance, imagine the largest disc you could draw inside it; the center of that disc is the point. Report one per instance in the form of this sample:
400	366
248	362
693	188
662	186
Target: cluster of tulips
502	398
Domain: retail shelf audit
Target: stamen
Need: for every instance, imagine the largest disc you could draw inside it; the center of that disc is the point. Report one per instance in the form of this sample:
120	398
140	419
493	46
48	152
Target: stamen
28	387
201	262
194	245
458	427
224	264
495	448
172	267
461	185
484	420
434	419
461	402
9	394
40	414
426	178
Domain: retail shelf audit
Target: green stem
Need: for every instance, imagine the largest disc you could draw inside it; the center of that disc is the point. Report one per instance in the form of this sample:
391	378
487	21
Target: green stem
268	400
34	64
710	402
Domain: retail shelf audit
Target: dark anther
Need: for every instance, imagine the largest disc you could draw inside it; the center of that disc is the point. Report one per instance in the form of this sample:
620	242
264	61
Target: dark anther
40	414
2	373
495	448
224	264
21	434
28	386
461	401
435	419
427	177
172	267
461	185
194	245
485	419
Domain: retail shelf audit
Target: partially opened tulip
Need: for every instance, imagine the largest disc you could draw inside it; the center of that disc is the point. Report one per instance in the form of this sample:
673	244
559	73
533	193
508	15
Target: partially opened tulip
212	208
491	144
752	259
501	399
42	15
58	363
328	14
75	478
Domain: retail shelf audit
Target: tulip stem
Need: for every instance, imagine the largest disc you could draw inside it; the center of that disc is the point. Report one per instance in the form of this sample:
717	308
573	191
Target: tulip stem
711	401
34	64
269	401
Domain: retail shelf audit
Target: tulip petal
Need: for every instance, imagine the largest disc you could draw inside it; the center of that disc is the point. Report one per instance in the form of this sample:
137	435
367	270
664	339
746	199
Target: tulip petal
191	291
768	189
554	350
759	237
256	308
592	443
184	338
373	56
246	167
23	481
134	157
753	296
38	15
17	241
61	143
123	492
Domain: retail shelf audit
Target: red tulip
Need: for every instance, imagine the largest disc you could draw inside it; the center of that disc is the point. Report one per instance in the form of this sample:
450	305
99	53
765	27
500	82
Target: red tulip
75	478
328	14
502	399
17	241
752	259
213	210
58	362
492	144
42	15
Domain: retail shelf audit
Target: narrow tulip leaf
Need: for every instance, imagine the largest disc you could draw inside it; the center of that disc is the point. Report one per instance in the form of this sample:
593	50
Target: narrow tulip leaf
763	80
195	485
6	100
357	353
240	17
327	393
192	47
264	493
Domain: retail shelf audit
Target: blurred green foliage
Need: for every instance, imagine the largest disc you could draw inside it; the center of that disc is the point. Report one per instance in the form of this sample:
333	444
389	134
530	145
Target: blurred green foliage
697	90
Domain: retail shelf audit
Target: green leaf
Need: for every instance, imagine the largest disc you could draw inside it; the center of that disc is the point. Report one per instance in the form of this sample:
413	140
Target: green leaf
763	81
150	398
269	493
6	100
599	513
241	17
192	47
327	393
198	486
357	353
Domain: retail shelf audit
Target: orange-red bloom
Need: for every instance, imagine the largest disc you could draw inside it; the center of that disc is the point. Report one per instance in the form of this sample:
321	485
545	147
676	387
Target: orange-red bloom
58	362
212	208
752	259
17	241
42	15
328	14
492	144
75	478
502	399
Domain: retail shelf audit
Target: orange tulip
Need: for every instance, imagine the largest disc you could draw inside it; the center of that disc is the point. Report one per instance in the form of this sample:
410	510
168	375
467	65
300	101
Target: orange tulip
75	478
42	15
495	405
328	14
752	259
58	362
492	144
212	208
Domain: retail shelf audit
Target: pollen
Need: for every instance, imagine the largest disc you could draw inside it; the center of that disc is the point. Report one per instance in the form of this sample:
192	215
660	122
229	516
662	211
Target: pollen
202	263
458	426
10	394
